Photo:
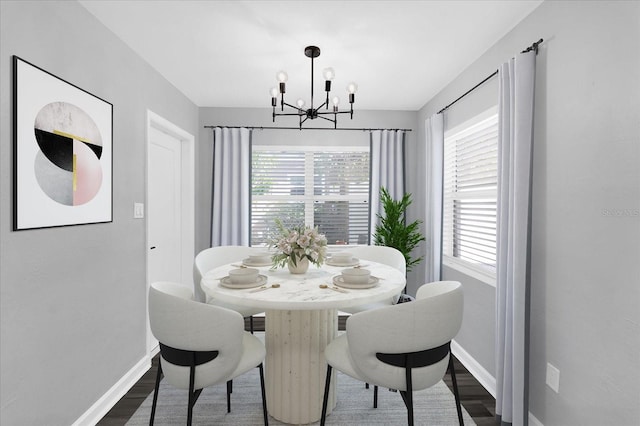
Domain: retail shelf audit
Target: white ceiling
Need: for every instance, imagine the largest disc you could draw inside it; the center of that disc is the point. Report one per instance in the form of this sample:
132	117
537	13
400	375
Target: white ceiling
226	53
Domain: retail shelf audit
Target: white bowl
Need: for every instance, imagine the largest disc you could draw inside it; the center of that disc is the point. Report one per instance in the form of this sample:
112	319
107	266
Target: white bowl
341	257
243	275
258	258
356	275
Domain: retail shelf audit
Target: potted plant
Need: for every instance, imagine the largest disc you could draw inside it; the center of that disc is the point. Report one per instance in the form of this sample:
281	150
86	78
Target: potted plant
393	231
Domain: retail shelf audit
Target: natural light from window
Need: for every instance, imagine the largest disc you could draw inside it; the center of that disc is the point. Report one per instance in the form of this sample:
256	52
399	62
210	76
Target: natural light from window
312	186
470	194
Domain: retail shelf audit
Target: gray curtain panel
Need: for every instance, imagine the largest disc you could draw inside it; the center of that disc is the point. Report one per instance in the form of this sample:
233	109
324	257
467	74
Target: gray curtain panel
515	143
387	169
231	197
434	134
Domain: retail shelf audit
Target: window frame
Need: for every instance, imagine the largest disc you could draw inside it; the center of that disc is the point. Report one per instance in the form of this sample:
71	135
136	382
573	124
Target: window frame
309	198
480	272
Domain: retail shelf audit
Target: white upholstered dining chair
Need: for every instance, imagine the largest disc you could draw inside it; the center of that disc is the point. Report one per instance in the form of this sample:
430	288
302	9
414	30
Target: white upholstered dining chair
211	258
200	345
404	346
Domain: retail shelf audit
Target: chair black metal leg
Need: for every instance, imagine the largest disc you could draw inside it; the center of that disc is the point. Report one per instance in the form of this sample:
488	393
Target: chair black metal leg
325	399
192	377
452	371
155	394
403	394
229	392
264	397
409	397
375	396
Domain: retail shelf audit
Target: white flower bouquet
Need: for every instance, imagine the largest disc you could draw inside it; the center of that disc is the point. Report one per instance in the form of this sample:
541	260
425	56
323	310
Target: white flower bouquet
298	243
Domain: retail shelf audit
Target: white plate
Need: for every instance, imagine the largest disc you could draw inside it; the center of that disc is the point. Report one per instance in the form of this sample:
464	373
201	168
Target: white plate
339	281
248	262
354	262
226	282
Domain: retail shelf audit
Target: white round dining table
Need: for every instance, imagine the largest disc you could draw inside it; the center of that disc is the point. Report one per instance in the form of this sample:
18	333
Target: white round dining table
301	318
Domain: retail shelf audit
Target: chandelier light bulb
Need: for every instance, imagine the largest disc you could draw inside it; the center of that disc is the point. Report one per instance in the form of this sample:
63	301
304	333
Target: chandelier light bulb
282	76
335	100
274	92
300	103
352	88
328	73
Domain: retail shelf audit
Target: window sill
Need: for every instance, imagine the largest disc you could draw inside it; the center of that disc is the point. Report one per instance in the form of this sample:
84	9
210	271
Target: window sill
473	271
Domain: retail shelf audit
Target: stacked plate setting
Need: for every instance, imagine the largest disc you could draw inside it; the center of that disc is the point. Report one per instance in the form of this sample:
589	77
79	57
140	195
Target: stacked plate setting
355	278
243	278
342	259
258	259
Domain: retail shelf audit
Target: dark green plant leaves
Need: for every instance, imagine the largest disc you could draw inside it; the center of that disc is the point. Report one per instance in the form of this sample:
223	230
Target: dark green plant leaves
393	230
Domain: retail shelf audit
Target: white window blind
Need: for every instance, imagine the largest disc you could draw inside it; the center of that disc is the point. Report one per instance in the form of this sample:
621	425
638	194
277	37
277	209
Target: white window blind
470	193
313	187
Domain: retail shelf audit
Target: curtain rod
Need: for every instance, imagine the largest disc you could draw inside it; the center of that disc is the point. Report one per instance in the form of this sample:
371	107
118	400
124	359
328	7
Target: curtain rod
533	47
298	128
468	91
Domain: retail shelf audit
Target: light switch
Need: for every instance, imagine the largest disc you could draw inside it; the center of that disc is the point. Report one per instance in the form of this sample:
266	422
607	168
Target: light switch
138	210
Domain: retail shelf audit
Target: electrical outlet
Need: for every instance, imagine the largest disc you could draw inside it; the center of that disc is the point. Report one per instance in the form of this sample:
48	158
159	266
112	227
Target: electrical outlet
138	210
553	377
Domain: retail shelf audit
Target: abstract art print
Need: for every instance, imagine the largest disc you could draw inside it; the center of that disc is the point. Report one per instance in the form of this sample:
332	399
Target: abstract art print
62	152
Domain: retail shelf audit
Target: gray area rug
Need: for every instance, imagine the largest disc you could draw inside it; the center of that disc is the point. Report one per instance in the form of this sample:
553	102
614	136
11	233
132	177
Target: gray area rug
434	406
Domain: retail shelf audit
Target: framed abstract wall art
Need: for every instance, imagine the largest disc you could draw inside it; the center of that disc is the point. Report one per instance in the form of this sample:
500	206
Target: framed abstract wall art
62	170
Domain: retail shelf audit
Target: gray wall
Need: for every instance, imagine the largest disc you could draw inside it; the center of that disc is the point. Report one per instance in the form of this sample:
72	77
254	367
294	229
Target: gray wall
477	333
585	283
73	299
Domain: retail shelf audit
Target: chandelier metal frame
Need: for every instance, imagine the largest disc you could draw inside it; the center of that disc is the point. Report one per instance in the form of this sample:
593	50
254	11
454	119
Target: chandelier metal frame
311	113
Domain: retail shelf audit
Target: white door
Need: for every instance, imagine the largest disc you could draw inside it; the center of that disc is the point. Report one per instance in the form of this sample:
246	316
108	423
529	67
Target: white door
164	207
170	206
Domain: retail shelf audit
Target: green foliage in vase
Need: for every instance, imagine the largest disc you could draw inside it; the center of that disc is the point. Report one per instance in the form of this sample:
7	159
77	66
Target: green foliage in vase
393	231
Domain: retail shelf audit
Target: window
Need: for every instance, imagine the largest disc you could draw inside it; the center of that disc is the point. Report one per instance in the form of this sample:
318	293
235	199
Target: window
470	194
313	186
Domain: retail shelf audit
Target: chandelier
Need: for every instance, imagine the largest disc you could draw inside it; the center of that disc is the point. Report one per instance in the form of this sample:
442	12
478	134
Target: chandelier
312	113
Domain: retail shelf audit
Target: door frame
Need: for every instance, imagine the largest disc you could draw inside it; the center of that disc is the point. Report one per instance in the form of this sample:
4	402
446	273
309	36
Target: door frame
187	228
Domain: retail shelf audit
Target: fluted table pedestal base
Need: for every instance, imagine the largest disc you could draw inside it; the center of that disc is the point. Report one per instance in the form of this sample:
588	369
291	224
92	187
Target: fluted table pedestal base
296	368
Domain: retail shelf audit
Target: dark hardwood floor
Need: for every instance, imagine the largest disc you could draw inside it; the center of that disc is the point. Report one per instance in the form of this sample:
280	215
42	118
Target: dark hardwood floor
476	400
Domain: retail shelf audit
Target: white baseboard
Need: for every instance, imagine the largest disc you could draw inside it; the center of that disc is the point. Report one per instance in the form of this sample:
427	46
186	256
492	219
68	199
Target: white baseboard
533	421
154	351
102	406
474	367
